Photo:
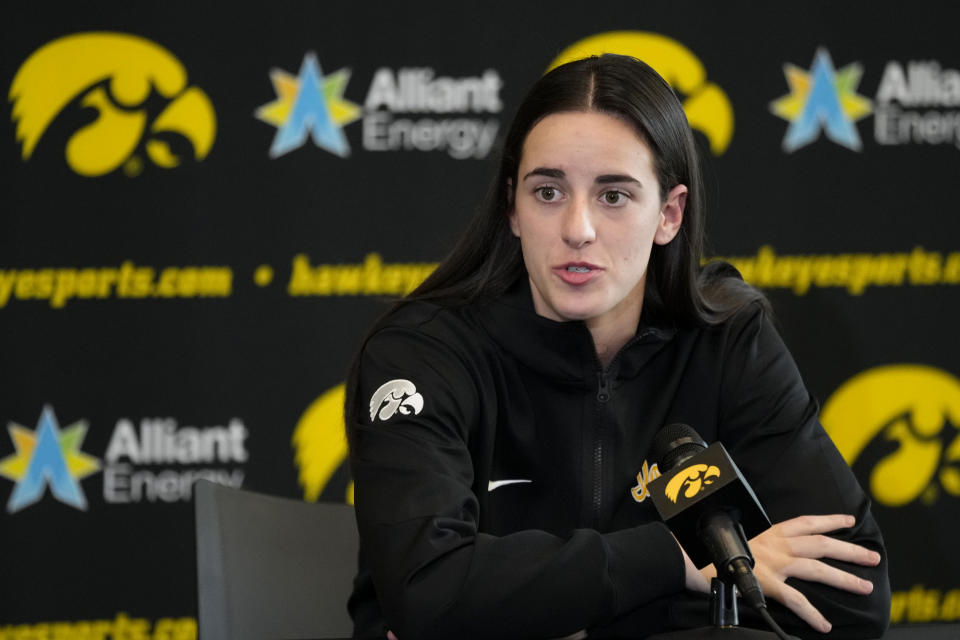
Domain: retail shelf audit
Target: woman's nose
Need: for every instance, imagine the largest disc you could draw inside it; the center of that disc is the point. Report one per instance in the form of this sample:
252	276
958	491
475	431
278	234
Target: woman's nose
578	225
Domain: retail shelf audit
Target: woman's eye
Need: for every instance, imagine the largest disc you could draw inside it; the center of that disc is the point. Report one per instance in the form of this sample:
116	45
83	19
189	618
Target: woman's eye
548	194
614	197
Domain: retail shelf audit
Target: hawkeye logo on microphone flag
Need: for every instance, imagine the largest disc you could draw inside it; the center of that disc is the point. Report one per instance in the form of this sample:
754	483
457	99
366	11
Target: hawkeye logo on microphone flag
709	475
822	100
47	457
692	480
116	75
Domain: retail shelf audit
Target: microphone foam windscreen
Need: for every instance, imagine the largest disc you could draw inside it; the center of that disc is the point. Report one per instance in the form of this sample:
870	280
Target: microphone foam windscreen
674	443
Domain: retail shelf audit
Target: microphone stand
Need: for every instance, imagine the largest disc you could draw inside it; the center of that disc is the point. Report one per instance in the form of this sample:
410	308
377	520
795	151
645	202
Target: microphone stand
724	618
723	604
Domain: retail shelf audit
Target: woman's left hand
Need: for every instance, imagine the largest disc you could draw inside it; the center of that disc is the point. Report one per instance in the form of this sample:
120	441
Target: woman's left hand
794	549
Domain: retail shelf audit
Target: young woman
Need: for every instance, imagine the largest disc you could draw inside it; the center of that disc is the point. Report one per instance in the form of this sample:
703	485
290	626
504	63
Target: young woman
500	418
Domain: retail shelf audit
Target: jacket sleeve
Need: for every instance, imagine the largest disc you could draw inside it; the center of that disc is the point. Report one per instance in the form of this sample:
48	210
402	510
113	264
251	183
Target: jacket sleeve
434	572
769	422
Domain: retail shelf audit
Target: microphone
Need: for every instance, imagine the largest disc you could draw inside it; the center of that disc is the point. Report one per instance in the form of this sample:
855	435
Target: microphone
708	505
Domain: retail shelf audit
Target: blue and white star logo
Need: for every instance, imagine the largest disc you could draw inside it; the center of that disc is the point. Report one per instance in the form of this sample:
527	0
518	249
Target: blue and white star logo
822	99
309	105
47	457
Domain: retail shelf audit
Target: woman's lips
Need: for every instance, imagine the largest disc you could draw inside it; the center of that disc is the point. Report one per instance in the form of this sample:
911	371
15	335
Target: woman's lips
577	273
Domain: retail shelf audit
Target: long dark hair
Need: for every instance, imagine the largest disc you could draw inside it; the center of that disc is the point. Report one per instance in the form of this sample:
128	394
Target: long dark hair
487	260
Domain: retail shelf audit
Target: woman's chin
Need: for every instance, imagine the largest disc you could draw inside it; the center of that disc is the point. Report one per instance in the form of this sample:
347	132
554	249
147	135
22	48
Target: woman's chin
577	312
565	306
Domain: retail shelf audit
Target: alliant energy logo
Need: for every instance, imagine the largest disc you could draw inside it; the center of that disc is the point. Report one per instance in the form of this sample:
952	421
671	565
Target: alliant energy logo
116	75
822	100
707	107
48	457
157	460
443	113
916	102
898	426
309	105
160	460
406	109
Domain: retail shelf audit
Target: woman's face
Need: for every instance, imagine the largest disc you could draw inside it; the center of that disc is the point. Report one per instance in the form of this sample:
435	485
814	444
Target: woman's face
587	209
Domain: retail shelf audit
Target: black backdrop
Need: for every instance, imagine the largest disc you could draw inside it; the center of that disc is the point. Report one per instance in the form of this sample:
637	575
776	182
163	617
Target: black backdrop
156	312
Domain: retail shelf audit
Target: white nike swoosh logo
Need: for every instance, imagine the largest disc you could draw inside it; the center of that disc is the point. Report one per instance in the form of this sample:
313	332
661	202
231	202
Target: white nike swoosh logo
496	484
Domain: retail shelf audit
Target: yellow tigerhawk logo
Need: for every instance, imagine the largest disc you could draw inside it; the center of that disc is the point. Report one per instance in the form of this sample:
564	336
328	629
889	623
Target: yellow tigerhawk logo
694	478
114	74
707	107
320	443
901	425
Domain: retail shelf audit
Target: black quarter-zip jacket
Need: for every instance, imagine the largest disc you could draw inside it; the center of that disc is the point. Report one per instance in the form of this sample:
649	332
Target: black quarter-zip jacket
500	472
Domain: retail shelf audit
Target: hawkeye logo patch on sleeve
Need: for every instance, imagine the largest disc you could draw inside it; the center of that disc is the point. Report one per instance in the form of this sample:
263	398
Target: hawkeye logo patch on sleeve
395	396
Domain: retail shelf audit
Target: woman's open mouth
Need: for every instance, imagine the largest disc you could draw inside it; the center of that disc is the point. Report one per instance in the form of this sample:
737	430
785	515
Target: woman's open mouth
577	273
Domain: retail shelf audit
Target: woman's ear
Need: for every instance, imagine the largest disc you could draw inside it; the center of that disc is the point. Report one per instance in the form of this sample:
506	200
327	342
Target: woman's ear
671	215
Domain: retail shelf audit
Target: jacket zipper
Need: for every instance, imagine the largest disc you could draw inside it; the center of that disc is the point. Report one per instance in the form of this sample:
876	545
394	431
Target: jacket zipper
603	396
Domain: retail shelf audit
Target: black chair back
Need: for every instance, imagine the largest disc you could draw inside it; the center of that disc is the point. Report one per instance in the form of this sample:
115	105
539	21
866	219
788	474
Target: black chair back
271	567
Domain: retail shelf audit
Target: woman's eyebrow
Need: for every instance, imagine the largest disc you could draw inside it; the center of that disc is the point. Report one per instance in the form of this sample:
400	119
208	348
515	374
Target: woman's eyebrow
607	178
544	171
614	177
